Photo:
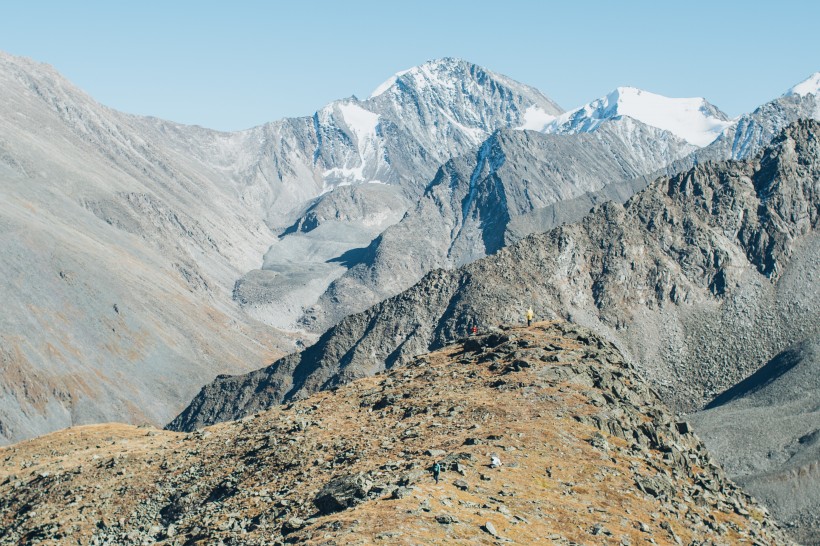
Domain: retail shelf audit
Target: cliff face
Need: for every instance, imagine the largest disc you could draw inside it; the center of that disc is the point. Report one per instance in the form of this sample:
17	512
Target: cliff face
701	278
585	452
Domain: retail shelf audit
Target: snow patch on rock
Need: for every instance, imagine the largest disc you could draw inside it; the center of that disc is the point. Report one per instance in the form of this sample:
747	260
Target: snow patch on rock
361	122
535	119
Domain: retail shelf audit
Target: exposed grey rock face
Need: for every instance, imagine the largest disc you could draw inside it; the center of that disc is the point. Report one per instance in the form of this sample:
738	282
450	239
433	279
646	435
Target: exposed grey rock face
766	433
514	185
118	259
702	277
398	137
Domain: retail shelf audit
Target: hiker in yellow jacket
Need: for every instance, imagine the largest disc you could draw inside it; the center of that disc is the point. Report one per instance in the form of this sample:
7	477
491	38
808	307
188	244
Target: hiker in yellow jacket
530	314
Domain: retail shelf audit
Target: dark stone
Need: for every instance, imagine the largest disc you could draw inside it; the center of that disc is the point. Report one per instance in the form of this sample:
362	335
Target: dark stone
341	493
226	488
384	402
478	344
178	505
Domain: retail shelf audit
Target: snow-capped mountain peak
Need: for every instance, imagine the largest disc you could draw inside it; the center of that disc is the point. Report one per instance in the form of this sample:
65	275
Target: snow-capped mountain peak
809	86
435	73
453	78
442	108
693	119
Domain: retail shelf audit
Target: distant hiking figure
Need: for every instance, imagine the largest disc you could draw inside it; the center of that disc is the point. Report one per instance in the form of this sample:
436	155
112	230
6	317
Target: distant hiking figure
436	471
530	314
473	330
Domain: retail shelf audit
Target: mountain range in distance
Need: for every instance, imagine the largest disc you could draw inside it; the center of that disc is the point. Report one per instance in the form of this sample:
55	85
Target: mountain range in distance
143	258
217	252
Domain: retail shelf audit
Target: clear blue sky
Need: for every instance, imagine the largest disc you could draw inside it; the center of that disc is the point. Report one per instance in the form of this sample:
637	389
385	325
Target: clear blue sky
233	65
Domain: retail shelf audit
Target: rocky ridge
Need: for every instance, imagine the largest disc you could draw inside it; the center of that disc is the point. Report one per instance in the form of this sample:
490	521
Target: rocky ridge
585	453
726	248
703	278
481	202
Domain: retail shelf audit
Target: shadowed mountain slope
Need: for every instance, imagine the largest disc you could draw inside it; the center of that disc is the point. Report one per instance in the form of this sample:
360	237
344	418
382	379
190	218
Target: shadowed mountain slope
766	432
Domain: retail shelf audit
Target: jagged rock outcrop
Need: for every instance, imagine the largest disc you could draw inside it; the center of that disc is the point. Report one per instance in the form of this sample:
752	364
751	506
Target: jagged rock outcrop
702	277
765	431
542	433
514	185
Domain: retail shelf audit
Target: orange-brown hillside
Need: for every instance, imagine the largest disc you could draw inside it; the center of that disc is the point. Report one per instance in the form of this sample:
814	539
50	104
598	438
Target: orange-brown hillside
588	456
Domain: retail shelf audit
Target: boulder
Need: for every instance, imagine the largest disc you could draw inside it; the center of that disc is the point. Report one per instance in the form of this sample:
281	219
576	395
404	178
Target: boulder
341	493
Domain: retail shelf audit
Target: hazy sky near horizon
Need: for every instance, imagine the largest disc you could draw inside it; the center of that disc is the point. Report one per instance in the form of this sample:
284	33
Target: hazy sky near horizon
234	65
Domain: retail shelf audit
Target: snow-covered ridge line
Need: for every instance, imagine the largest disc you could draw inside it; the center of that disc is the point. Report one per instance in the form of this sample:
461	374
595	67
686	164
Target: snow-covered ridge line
422	74
809	86
693	119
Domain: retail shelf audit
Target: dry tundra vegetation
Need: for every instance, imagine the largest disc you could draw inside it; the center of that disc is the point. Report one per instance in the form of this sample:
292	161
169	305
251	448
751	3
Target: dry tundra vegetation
589	456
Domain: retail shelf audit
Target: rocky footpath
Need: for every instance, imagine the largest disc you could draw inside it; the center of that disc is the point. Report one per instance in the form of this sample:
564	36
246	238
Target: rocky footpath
546	435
